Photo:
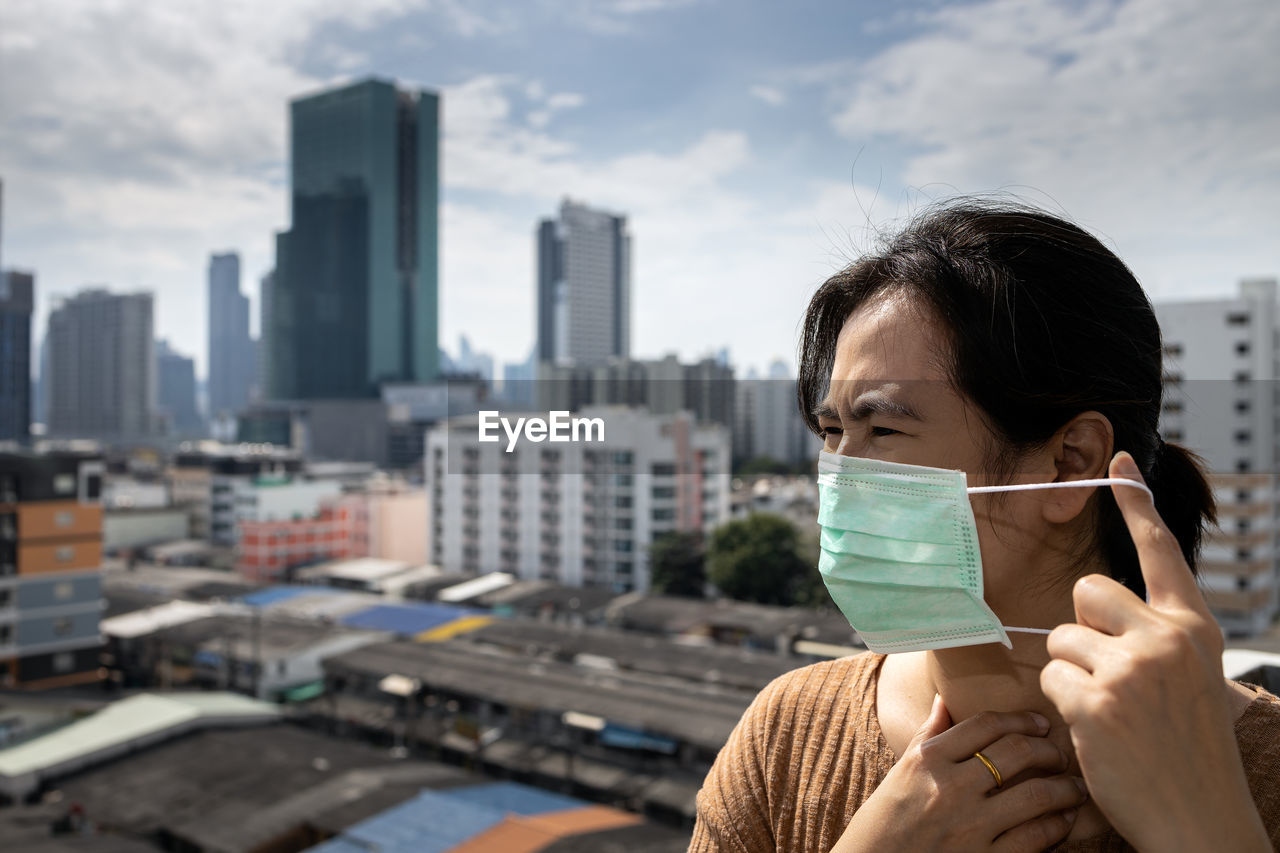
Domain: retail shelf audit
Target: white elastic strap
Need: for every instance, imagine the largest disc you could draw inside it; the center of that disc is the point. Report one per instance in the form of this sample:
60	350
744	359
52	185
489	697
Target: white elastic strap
1030	630
1069	484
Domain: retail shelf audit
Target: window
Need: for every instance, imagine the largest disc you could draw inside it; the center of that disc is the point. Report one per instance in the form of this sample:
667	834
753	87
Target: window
663	492
622	524
1172	407
664	514
663	469
4	635
63	590
622	546
64	662
64	484
622	502
1242	495
622	457
6	596
1243	436
1242	348
64	553
93	487
1242	525
62	626
1238	319
1242	376
1174	350
1243	407
1243	554
1243	466
1242	584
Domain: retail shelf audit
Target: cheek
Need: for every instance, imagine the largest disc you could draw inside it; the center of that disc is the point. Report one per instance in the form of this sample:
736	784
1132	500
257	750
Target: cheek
1008	539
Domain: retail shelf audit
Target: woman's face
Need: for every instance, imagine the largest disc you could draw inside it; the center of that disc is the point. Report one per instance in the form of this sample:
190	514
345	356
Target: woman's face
890	399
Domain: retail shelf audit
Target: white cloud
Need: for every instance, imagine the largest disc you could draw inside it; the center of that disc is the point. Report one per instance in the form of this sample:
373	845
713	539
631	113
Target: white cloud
1153	121
771	95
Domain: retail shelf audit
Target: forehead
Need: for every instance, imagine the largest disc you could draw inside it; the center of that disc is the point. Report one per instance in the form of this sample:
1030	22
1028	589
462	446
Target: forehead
887	339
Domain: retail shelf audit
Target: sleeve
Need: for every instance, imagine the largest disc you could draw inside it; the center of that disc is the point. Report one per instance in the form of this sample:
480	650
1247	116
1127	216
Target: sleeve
733	806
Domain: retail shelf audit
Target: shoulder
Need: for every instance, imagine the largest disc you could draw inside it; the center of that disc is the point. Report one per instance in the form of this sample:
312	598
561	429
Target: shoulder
1258	734
773	761
820	685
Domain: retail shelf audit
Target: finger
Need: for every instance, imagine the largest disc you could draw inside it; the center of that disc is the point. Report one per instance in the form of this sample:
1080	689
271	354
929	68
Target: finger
1079	644
1035	835
1169	580
1107	605
965	738
1036	798
1066	685
1011	755
935	724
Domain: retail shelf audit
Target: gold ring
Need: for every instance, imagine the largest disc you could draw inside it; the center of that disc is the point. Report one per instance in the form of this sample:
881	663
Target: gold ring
994	772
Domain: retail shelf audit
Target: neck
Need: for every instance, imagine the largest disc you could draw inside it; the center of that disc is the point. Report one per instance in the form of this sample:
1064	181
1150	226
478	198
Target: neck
990	677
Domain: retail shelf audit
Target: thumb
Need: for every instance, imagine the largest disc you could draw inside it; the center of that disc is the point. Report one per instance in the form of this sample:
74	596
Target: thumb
938	721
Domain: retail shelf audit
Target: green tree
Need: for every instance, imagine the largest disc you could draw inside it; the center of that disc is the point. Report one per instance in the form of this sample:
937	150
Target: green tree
760	558
677	564
761	465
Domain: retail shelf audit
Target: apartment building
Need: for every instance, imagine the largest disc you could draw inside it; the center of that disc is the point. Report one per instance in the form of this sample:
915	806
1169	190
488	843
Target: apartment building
50	568
1220	371
580	513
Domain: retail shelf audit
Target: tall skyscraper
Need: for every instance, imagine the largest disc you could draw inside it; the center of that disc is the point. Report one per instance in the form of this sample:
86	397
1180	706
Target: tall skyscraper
354	298
231	349
101	380
176	392
265	288
584	286
17	292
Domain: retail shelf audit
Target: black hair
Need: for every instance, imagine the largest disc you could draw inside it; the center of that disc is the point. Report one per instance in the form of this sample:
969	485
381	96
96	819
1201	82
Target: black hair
1045	322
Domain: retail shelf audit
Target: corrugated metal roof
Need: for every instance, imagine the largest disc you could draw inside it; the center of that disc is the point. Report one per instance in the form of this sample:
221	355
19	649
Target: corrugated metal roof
514	797
136	720
142	622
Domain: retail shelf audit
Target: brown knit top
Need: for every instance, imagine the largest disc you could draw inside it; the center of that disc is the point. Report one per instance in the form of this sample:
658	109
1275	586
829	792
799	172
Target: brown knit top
809	752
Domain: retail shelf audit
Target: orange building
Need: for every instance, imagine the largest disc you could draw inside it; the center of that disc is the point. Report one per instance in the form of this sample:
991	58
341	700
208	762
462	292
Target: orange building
50	564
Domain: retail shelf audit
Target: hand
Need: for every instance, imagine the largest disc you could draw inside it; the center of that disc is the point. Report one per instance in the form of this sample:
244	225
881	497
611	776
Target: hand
1141	687
940	797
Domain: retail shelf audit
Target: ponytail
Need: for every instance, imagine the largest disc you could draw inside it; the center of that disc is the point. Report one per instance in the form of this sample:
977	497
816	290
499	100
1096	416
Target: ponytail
1184	500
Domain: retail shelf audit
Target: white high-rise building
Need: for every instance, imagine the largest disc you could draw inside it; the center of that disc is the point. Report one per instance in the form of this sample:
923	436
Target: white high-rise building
1220	401
102	380
584	287
767	421
581	513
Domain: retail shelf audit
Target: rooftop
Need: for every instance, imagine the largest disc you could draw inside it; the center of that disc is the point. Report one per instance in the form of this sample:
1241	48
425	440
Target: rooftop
701	714
119	728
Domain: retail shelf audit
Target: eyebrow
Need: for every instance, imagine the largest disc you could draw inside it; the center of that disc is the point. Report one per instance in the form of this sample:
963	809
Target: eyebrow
869	404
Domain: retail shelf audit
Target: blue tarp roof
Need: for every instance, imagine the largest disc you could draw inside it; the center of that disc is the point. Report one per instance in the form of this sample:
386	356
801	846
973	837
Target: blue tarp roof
271	595
406	619
436	821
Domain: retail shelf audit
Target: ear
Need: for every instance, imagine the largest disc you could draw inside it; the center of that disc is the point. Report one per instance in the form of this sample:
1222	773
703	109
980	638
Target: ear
1081	450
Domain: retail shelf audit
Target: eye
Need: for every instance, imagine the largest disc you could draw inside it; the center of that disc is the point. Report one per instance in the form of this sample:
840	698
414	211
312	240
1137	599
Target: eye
882	431
832	430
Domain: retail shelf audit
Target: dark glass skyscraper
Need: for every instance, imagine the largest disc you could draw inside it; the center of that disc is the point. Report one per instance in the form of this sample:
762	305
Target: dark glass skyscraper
17	291
354	297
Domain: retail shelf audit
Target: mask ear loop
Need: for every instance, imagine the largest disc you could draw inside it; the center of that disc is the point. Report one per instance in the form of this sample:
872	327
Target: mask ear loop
1069	484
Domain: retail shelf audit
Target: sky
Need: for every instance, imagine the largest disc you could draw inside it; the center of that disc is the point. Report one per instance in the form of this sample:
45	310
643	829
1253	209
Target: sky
756	147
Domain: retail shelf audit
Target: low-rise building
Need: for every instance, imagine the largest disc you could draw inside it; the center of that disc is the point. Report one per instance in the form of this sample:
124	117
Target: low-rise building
50	567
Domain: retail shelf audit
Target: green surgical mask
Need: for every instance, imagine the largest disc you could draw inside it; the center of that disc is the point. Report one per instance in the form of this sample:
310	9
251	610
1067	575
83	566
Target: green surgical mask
900	553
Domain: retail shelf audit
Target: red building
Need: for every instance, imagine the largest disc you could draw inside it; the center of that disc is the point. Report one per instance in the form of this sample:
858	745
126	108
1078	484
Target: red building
267	550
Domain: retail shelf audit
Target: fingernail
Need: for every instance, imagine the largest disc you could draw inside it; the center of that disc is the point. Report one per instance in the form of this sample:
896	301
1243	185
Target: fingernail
1084	789
1070	815
1041	723
1126	467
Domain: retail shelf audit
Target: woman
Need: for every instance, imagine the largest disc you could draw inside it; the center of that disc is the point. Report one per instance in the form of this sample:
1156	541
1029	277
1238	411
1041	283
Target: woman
1052	674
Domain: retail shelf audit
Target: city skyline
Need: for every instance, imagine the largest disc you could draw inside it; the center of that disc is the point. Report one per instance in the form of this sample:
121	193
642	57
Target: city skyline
749	152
